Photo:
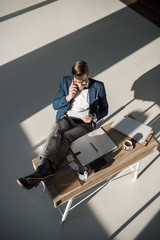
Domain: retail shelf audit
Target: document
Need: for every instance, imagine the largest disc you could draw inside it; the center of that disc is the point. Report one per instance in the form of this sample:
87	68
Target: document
92	146
132	128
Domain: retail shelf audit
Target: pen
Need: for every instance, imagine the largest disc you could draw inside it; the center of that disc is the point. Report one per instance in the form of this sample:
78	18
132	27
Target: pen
94	147
77	153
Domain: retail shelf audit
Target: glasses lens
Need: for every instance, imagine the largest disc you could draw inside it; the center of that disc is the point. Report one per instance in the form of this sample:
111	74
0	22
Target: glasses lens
82	83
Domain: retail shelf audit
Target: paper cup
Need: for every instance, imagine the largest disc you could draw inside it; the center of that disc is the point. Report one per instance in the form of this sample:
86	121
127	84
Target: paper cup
83	176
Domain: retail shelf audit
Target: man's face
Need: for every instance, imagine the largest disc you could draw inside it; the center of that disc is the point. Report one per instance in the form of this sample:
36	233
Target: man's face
80	81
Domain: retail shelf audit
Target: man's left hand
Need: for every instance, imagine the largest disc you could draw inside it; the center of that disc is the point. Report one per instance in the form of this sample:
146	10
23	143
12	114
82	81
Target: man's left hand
88	118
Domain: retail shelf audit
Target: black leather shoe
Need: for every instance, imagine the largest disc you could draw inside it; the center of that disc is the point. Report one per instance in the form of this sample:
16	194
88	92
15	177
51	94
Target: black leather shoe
41	174
33	180
24	184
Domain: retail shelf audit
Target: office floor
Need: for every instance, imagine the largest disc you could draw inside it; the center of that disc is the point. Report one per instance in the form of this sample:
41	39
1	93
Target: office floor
40	40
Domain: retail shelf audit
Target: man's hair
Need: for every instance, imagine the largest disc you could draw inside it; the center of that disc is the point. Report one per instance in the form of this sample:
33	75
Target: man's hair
80	68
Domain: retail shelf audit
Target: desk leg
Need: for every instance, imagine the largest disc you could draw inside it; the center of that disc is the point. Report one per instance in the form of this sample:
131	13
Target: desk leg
44	189
136	171
66	210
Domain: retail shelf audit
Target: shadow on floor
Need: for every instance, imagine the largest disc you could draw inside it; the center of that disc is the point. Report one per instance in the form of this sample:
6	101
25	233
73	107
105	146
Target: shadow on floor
152	230
114	235
28	9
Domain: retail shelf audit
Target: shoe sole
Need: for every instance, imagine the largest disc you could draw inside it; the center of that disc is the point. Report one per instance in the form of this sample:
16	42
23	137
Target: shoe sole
21	185
41	179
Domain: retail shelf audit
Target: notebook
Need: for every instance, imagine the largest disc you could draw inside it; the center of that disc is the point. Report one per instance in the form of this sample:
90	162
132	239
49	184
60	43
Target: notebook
132	128
92	146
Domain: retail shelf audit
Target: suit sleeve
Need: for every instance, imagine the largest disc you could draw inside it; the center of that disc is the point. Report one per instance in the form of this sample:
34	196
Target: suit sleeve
60	98
102	107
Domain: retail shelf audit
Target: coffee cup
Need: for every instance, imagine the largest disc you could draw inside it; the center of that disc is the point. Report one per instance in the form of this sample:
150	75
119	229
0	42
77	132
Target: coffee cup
127	145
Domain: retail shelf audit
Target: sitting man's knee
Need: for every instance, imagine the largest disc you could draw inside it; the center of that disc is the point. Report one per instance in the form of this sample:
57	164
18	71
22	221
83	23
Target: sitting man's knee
67	138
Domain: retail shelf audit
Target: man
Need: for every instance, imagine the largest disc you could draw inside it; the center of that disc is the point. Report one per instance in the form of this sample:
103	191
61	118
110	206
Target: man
81	102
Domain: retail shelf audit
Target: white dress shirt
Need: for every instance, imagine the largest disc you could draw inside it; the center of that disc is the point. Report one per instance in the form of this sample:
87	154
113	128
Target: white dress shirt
80	104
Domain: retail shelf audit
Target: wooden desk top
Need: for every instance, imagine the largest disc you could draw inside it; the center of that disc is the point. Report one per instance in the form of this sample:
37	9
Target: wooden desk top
117	160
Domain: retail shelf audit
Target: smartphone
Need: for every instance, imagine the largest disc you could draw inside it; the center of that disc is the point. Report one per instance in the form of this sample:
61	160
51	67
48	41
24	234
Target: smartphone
75	85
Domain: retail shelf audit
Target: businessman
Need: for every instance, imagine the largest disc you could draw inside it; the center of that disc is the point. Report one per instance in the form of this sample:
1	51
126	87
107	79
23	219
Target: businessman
81	102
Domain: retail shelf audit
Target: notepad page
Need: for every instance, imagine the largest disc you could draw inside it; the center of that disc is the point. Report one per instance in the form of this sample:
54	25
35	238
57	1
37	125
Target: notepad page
87	153
92	146
132	128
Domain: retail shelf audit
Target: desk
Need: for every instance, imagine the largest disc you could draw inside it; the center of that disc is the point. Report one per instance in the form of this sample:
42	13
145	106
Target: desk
117	161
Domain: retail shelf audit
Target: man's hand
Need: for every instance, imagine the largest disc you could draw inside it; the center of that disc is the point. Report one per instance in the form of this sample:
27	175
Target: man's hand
88	118
72	92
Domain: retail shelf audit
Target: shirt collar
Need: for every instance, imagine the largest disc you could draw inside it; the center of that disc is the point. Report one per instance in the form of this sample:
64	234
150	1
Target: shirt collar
87	84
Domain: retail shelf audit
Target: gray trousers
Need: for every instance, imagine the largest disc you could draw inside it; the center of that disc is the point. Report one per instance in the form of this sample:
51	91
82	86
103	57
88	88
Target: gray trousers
64	132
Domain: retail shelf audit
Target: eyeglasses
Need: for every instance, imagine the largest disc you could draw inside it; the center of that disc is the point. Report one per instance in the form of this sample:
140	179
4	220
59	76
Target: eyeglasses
83	82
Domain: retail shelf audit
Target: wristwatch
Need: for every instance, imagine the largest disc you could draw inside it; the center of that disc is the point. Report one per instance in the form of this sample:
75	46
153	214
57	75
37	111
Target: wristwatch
94	116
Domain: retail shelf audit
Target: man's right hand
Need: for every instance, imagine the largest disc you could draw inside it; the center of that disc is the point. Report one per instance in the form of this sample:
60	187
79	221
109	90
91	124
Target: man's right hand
72	92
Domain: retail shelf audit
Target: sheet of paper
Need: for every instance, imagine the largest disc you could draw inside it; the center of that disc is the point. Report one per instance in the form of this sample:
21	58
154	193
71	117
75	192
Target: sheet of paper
92	146
132	128
69	158
74	166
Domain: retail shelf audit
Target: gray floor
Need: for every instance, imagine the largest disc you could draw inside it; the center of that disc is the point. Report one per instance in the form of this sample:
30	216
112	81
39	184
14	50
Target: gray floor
39	42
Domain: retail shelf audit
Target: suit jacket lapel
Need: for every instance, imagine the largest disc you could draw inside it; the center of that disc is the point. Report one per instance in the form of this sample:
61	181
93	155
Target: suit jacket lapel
92	92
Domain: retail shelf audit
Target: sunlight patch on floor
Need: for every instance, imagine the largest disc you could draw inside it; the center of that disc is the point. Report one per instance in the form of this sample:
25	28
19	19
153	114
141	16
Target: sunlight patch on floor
37	127
51	23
